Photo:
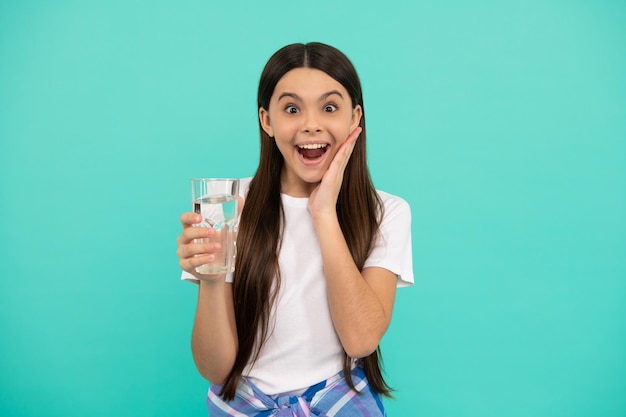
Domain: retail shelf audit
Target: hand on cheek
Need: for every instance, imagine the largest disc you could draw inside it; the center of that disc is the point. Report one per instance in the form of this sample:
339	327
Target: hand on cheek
323	200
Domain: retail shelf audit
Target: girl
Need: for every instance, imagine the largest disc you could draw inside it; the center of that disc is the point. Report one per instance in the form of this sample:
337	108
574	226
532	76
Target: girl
295	329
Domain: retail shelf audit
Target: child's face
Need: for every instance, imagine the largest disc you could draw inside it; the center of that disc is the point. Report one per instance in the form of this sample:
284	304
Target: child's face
310	116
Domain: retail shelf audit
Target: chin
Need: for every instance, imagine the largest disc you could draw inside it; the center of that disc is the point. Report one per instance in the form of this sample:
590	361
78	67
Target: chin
312	180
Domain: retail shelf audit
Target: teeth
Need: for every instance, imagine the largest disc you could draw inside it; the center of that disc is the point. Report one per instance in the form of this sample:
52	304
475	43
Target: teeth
312	146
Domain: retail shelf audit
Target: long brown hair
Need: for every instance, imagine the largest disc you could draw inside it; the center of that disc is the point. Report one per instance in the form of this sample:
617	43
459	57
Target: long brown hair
359	209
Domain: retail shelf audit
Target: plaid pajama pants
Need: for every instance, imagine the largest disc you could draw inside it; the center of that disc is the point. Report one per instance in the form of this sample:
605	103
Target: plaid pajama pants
329	398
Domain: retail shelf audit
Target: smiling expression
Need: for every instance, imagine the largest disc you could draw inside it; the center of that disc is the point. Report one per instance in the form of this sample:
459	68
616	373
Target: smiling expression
310	116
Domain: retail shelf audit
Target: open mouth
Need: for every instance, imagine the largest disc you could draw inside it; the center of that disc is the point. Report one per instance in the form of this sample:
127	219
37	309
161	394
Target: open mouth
312	150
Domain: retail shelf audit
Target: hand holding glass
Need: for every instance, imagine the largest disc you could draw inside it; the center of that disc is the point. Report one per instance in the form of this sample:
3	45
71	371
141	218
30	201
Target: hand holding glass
216	200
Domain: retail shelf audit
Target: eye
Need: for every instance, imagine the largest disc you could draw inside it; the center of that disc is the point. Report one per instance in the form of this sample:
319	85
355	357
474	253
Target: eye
330	108
291	109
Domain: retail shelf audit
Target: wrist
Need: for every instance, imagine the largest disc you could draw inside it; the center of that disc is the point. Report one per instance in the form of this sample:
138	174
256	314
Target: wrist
326	223
211	280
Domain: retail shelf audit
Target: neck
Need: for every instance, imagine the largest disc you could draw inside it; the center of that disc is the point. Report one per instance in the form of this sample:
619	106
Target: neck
296	187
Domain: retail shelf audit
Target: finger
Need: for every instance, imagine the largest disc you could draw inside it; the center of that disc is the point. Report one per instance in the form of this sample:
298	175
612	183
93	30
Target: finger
190	264
348	146
189	219
345	152
189	234
200	248
240	201
355	134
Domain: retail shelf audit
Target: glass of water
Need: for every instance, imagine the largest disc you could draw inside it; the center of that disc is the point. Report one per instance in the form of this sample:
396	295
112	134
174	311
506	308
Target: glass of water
216	200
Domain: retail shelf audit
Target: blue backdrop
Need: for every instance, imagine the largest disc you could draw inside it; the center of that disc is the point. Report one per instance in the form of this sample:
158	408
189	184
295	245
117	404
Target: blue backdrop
503	124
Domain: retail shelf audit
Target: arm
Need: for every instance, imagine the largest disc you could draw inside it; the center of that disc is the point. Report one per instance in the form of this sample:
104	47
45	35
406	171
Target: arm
214	338
360	301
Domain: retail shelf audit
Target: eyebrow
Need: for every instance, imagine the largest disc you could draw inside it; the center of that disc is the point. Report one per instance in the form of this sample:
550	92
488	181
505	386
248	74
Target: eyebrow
322	98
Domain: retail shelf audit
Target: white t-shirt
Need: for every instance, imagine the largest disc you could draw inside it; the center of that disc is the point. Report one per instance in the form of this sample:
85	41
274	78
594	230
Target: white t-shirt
303	347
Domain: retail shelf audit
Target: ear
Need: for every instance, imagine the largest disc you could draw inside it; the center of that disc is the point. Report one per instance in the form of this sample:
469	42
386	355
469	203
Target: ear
357	113
264	118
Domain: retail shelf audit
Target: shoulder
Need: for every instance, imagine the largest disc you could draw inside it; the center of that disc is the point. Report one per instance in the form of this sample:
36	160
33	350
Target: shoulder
393	204
392	249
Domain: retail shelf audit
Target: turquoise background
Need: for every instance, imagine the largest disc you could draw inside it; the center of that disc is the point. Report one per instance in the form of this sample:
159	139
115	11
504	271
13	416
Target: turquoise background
503	124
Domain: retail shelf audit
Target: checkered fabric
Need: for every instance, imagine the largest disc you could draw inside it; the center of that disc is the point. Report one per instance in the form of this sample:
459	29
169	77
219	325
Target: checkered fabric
330	398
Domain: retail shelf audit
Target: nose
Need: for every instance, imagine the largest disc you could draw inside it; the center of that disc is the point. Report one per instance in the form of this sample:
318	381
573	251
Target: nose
311	124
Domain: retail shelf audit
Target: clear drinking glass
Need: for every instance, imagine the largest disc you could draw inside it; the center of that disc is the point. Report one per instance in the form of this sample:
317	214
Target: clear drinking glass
216	200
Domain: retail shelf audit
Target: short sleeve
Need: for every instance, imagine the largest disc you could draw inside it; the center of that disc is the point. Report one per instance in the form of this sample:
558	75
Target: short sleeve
393	249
